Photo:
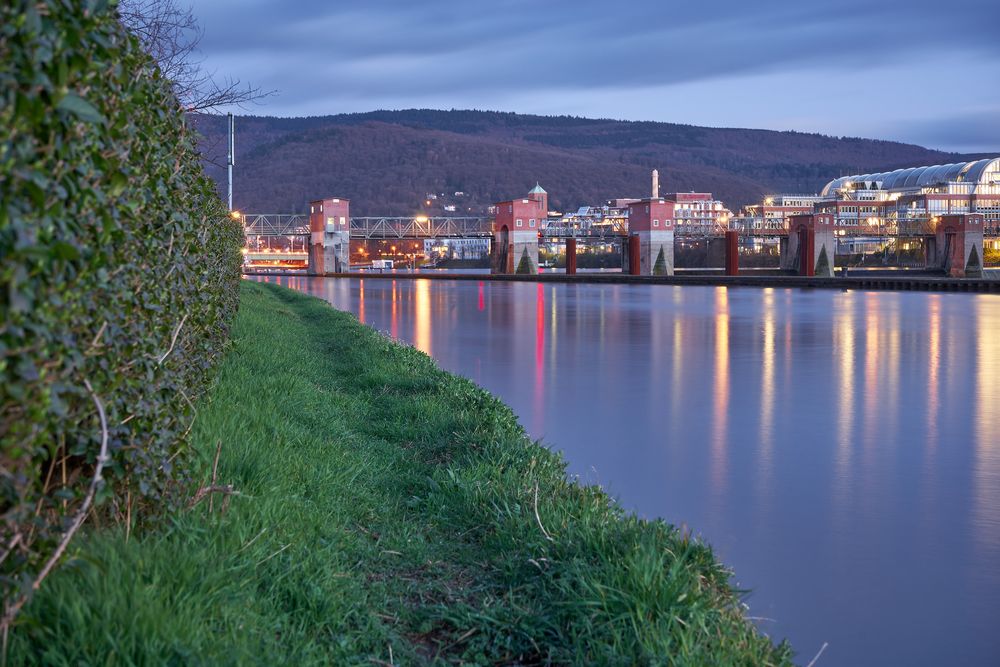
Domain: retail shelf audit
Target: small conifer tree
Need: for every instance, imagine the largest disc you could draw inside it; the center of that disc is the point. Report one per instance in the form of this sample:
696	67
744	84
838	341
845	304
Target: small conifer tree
974	267
525	265
823	264
660	265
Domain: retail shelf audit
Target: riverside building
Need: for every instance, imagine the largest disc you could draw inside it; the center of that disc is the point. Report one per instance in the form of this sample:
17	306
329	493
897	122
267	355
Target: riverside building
907	201
698	213
693	213
773	212
901	202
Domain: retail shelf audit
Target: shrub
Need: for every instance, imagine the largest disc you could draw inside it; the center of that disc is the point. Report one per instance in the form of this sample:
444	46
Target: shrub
119	268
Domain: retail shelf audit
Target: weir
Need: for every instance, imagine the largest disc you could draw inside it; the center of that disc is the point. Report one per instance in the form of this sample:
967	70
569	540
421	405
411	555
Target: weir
646	234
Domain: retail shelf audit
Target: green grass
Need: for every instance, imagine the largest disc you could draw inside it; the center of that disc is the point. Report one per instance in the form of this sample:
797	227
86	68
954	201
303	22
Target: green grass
386	505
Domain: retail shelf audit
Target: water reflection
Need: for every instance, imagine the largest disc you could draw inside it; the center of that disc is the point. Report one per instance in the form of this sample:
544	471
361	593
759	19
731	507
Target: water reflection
767	363
361	301
720	398
539	414
422	316
986	474
843	349
840	450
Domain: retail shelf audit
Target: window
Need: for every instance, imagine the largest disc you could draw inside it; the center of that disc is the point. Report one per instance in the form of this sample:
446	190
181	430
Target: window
519	222
312	209
343	220
531	223
656	223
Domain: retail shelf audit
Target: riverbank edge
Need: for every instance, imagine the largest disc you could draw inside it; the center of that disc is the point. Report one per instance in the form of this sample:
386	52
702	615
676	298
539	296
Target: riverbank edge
385	512
902	283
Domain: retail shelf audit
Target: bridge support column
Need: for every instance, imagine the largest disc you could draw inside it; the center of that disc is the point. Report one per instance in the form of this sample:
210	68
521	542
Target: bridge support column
732	253
930	252
651	228
634	255
514	251
811	245
959	243
786	258
330	236
655	253
715	253
570	256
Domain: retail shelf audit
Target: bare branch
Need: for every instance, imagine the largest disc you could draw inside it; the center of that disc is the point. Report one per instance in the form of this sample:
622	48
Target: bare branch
170	33
12	608
173	341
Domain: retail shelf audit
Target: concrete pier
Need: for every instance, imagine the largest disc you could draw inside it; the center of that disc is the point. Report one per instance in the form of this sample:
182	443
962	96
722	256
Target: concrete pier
811	245
329	236
958	243
651	237
515	233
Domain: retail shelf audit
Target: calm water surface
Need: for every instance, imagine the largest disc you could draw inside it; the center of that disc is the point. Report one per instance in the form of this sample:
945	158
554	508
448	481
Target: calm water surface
840	450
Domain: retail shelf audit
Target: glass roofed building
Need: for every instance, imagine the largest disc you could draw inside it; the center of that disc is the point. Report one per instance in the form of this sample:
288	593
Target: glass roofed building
909	199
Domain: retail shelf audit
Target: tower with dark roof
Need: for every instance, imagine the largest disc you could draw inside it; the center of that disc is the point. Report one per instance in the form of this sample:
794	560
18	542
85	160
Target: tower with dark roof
539	195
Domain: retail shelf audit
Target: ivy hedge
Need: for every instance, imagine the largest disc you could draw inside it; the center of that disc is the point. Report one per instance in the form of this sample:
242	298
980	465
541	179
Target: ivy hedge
119	271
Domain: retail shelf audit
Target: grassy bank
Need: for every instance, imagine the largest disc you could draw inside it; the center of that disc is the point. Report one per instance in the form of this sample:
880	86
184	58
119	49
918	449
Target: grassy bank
388	513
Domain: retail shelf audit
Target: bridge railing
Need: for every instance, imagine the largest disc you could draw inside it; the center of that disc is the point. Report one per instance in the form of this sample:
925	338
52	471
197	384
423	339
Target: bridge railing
610	228
420	227
275	224
280	224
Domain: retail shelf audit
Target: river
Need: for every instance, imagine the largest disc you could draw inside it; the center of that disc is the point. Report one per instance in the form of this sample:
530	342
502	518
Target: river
839	449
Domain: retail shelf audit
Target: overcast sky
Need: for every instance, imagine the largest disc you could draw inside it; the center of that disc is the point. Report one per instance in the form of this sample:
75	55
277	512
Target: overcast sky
925	72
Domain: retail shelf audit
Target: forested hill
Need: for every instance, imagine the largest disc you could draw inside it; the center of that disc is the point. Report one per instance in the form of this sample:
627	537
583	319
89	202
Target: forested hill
386	162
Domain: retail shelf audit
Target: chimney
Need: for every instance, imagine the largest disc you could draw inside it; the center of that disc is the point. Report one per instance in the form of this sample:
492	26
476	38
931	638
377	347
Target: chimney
656	184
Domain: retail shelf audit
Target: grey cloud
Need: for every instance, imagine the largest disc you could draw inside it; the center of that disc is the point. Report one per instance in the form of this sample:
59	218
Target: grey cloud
577	44
449	52
975	131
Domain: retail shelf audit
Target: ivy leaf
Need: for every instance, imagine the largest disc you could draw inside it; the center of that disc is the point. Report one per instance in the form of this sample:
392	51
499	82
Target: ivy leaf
65	251
80	108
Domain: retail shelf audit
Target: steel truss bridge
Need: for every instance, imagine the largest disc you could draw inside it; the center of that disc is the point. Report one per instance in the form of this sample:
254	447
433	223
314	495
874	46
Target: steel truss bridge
373	228
420	227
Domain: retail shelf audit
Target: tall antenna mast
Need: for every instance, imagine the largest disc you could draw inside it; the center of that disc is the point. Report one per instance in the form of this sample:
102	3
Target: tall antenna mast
231	158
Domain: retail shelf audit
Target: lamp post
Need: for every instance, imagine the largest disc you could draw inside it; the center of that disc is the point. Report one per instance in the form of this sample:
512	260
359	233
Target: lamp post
231	159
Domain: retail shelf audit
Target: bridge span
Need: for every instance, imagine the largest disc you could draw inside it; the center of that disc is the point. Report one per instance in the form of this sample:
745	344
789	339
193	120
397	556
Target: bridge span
646	235
449	227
